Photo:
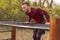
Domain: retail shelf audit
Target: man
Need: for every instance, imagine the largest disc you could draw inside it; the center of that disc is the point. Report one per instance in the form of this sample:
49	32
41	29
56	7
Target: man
37	15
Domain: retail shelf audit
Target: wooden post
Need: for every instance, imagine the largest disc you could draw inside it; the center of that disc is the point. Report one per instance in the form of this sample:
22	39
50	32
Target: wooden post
54	29
13	34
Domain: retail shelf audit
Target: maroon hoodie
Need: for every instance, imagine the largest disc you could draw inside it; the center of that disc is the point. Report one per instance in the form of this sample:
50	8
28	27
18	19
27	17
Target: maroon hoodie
37	15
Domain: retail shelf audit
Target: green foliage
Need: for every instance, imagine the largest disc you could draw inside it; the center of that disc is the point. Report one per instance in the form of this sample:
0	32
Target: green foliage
12	9
54	13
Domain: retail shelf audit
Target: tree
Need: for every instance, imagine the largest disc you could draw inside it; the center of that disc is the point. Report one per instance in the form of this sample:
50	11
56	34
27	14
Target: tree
51	3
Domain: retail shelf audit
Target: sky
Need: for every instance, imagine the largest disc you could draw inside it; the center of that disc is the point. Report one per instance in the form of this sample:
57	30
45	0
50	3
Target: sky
54	1
57	1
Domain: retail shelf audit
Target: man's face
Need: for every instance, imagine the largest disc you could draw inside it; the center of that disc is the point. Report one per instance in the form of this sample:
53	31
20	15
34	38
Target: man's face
25	8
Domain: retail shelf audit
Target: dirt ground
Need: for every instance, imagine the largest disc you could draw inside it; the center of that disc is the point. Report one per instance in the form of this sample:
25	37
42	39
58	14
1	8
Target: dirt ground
21	34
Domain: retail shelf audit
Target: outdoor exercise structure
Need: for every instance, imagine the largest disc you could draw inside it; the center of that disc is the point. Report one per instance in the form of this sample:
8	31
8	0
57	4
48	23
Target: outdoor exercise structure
53	27
15	25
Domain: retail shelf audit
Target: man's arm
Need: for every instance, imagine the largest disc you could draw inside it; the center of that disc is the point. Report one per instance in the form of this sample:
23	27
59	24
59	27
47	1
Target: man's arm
43	12
29	19
47	16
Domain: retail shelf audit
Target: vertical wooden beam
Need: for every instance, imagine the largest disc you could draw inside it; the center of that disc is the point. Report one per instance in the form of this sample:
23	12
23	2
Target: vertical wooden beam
13	29
13	34
54	29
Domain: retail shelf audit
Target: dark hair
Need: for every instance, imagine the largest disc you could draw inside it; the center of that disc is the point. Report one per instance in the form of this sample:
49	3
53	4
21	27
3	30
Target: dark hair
26	3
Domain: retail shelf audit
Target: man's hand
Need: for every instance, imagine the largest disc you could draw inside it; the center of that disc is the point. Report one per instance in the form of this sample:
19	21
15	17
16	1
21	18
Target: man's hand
27	22
47	23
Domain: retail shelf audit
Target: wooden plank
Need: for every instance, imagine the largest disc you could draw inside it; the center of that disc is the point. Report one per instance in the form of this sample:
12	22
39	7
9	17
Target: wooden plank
55	29
13	33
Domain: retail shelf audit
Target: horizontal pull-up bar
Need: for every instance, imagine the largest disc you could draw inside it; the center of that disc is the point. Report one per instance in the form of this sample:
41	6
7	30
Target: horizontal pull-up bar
54	28
14	25
26	25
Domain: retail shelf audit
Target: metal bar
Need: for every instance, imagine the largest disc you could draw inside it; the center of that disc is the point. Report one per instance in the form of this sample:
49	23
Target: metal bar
5	31
25	25
13	25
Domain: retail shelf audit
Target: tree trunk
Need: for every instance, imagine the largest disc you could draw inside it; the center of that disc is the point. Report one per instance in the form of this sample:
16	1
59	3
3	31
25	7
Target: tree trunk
40	3
51	3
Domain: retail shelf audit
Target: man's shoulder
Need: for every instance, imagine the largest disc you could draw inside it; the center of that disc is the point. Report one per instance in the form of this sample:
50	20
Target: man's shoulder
38	8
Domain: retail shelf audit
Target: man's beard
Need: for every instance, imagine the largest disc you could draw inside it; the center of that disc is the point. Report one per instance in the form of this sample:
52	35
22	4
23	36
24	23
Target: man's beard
27	11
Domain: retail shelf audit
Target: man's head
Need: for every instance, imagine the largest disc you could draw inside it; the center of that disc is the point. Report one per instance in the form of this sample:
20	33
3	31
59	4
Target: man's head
25	6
